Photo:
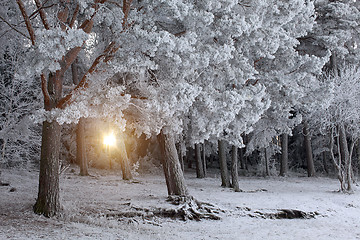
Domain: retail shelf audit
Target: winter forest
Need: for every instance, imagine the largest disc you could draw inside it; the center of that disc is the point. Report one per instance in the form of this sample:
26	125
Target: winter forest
139	119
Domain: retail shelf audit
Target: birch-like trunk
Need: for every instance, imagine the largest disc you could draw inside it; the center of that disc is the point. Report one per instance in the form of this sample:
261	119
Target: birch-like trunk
234	169
345	156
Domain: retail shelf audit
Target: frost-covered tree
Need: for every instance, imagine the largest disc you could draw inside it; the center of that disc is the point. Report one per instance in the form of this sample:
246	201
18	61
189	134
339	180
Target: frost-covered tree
339	118
284	70
19	136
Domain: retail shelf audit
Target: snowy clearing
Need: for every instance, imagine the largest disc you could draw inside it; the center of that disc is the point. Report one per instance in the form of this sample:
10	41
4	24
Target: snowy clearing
91	204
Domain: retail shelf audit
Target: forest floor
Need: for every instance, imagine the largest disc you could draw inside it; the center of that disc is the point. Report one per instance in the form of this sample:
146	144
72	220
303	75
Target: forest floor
103	206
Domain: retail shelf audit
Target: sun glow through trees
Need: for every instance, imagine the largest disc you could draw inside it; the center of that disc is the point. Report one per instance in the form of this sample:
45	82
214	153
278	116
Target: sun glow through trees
110	140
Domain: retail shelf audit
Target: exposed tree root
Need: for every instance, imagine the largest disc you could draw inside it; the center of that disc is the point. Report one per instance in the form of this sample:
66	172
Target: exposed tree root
187	208
285	214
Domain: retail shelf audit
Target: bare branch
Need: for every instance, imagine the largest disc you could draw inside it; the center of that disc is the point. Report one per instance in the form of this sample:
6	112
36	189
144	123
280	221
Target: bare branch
12	27
83	83
27	21
42	14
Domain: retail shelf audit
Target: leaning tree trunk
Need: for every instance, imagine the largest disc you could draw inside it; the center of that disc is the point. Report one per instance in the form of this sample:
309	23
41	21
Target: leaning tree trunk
174	177
124	161
234	169
225	180
199	162
284	155
308	150
48	202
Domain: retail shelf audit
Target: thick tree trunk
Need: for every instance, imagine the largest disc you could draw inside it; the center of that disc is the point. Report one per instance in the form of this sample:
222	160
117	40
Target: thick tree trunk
81	158
47	202
124	161
225	180
284	155
204	159
175	180
199	162
308	150
234	169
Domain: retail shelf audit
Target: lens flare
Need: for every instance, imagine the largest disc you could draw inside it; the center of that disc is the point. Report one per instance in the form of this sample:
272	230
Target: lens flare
110	140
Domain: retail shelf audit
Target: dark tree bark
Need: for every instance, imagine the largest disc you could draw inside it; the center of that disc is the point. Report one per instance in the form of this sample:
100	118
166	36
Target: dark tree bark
48	202
267	167
199	162
284	155
174	177
225	180
204	159
308	150
234	169
189	157
324	163
242	158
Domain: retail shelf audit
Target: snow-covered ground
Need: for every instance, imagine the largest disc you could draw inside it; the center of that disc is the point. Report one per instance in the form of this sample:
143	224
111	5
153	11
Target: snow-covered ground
86	202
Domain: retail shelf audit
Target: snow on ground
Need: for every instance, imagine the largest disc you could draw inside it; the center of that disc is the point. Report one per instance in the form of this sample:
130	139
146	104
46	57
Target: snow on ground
87	200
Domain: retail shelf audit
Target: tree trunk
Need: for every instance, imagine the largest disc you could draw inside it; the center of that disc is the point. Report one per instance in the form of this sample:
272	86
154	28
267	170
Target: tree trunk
124	161
234	169
324	163
174	177
284	155
242	158
267	167
48	202
181	158
189	157
199	163
204	159
308	150
345	156
225	180
81	158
